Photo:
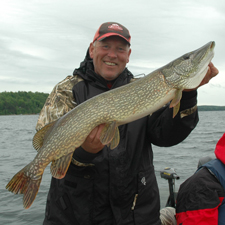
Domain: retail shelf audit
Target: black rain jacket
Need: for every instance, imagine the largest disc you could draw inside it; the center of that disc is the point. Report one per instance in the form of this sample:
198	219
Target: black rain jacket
121	187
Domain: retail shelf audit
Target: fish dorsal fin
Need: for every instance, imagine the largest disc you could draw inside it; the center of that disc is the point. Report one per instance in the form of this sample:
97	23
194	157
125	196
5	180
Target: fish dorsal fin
110	135
41	135
60	166
175	104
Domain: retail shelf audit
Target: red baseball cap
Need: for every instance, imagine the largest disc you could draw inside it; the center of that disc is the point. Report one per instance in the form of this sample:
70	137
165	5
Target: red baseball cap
112	29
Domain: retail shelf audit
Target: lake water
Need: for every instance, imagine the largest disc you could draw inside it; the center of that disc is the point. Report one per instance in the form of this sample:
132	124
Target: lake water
16	133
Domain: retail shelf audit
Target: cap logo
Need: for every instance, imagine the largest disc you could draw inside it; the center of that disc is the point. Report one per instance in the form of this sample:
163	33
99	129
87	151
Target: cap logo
115	26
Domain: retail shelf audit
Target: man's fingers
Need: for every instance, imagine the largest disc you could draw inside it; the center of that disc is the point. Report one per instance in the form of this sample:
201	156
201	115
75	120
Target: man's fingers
100	127
94	136
213	69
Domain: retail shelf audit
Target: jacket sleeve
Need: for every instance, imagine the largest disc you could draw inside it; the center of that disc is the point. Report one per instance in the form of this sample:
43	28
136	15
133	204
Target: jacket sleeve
204	217
59	102
199	200
165	131
222	214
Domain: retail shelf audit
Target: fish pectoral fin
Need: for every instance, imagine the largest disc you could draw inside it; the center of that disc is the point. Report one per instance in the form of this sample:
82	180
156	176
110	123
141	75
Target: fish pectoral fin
175	103
60	166
110	135
116	139
176	109
40	136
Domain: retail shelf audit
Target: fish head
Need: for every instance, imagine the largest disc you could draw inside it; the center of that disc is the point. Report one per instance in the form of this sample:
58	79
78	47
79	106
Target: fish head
187	71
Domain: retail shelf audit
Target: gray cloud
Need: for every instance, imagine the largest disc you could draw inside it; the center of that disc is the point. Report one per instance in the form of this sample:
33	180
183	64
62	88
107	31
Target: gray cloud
43	41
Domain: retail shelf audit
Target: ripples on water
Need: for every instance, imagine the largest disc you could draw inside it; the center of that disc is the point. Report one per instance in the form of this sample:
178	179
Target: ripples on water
184	157
16	150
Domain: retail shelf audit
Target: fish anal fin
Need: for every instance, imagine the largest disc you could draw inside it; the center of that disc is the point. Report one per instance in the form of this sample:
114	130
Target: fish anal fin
175	103
60	166
108	134
40	136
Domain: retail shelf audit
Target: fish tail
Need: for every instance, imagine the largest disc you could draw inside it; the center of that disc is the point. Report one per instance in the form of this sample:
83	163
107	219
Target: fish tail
31	192
22	183
17	184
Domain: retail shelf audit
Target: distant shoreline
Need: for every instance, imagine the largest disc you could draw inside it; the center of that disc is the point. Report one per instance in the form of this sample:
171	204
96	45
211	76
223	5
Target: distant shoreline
30	103
200	108
211	108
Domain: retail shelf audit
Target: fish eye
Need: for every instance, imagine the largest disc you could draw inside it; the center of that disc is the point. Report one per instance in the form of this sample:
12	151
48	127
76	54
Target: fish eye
186	57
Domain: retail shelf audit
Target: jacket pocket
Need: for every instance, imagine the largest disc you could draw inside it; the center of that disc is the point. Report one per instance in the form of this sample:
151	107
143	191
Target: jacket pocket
71	198
146	210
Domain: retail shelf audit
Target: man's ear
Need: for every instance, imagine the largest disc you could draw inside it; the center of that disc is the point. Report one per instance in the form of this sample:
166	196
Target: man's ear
128	55
91	49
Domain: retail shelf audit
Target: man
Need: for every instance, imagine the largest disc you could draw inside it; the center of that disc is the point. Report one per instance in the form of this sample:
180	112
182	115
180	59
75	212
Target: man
201	198
104	186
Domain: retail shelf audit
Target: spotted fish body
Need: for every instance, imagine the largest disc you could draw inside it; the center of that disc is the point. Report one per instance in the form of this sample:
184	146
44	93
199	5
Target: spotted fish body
57	141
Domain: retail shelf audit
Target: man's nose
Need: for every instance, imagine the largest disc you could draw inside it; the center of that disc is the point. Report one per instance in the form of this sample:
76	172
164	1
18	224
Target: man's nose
112	53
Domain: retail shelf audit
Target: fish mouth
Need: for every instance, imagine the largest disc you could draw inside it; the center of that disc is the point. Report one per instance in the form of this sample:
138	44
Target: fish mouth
209	52
190	69
213	45
204	60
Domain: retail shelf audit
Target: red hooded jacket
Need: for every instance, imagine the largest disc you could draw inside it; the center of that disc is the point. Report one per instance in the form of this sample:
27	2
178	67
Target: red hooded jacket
200	198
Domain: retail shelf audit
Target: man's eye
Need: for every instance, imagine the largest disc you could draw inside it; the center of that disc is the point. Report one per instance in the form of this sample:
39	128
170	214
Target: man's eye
121	49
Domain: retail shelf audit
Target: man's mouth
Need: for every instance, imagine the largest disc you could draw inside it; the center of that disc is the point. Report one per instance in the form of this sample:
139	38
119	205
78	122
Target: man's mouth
110	63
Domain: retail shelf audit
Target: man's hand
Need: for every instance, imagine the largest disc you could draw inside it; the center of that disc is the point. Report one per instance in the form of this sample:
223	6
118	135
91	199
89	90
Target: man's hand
212	72
92	143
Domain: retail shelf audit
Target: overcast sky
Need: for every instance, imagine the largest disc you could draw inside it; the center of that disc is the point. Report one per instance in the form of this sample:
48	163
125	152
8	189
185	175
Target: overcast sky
43	41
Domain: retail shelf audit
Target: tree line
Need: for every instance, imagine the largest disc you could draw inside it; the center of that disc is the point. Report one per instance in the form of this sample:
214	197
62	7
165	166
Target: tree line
211	108
21	102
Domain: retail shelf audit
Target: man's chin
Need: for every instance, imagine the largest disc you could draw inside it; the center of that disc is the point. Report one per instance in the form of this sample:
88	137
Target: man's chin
110	77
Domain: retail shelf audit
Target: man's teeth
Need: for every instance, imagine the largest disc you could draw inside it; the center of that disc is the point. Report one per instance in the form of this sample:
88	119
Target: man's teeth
110	63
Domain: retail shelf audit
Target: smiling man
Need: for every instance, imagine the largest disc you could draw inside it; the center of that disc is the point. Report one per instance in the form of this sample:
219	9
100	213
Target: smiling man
110	56
103	186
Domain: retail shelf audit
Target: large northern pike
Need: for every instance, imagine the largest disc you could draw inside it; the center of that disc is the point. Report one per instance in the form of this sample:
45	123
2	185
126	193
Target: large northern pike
57	141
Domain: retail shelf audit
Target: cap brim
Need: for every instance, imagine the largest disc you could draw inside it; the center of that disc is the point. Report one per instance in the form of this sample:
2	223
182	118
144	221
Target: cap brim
112	34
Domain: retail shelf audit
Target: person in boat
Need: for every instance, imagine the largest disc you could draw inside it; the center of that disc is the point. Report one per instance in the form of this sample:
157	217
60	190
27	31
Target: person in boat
104	186
201	198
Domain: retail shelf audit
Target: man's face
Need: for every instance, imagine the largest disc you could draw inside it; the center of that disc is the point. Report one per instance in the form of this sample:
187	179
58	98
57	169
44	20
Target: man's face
110	56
